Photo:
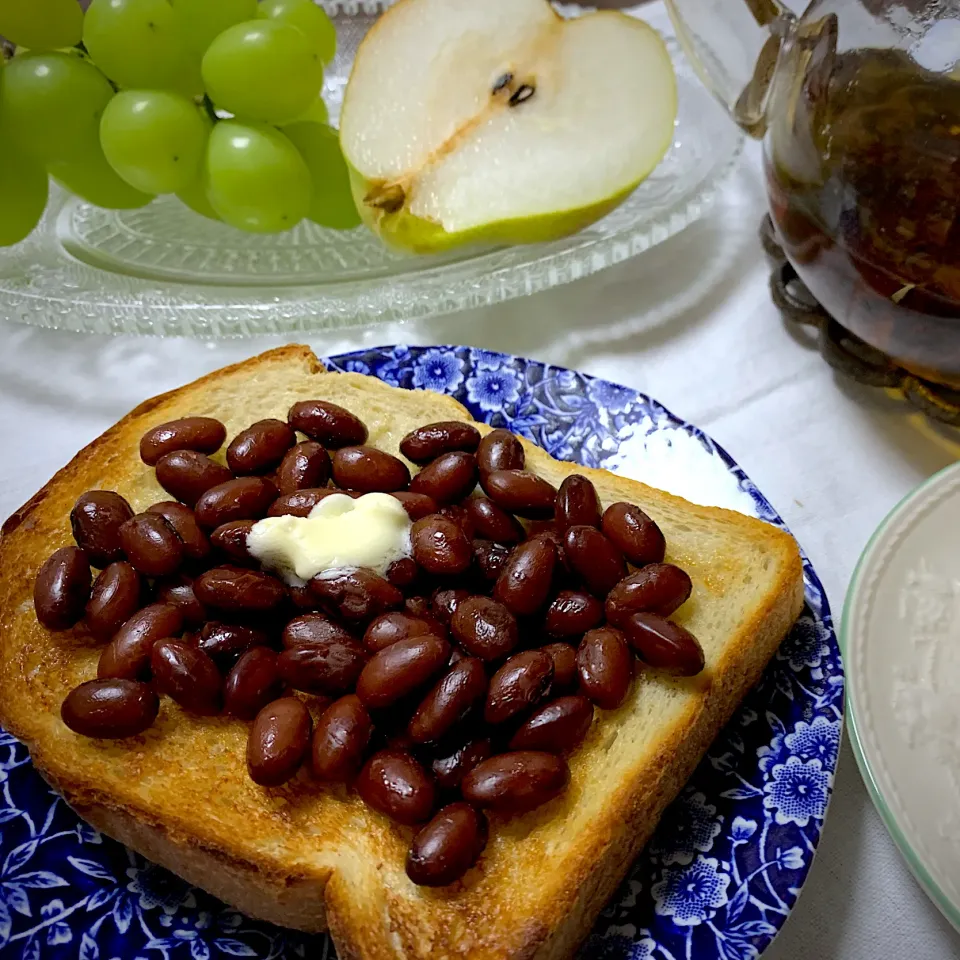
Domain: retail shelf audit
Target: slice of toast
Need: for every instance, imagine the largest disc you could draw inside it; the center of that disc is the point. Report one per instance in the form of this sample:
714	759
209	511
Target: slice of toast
314	857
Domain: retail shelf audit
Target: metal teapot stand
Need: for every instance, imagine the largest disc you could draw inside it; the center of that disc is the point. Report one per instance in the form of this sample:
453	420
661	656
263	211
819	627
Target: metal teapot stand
845	352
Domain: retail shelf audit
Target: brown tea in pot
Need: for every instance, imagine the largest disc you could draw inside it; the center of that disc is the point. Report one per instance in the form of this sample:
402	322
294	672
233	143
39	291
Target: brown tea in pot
863	174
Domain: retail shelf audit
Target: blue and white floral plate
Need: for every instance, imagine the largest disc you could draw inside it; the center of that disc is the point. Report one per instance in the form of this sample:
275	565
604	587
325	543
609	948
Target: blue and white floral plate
723	871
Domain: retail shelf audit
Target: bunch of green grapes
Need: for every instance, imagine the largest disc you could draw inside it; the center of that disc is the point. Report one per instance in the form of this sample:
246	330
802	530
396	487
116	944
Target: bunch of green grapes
216	101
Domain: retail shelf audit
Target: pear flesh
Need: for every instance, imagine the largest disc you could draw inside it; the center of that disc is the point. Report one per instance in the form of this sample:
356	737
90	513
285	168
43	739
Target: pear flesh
501	122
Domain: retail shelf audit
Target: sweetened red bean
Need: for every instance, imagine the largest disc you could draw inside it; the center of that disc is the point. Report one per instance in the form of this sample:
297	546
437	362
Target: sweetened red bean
444	603
305	466
358	596
260	447
327	423
202	434
389	628
231	539
96	519
369	470
428	442
572	613
418	606
179	592
331	667
62	588
448	846
558	727
519	492
303	599
127	655
460	516
278	741
440	546
401	669
114	599
252	683
634	533
485	628
563	572
186	675
196	545
239	590
664	644
448	703
605	665
403	572
340	740
518	686
491	558
245	498
658	588
110	709
188	475
313	628
152	545
577	504
493	523
500	450
564	658
394	783
300	502
516	782
448	479
417	505
596	560
523	586
224	642
449	770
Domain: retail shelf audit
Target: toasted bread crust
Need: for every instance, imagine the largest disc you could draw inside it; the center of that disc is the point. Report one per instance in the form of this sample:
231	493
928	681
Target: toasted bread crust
311	858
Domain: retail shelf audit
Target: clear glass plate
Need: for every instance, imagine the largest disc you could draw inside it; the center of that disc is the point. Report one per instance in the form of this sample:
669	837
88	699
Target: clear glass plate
166	271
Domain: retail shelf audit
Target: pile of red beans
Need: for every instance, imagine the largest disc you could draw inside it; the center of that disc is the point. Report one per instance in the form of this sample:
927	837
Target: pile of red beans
458	681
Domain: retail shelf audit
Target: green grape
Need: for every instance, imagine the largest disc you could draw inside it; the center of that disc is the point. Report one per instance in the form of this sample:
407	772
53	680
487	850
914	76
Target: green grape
256	179
41	24
201	21
23	194
194	196
137	44
263	70
51	103
154	139
91	178
319	146
305	15
316	113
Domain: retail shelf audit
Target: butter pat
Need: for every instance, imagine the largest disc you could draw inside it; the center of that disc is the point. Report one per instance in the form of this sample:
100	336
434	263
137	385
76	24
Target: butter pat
340	534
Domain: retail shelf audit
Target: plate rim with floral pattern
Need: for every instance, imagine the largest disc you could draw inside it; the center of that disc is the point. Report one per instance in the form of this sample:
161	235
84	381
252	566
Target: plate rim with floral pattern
716	882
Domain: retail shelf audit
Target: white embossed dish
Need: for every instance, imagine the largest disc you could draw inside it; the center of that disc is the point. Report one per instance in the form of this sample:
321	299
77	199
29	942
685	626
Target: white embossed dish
166	271
901	644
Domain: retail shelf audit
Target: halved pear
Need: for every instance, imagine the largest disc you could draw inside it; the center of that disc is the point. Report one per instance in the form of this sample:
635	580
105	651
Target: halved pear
497	121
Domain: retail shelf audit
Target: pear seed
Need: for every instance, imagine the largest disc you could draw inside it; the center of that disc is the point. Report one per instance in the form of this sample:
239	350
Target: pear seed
502	83
524	93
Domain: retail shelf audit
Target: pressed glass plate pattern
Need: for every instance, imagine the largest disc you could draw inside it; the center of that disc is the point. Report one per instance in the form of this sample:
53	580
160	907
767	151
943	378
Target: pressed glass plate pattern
167	271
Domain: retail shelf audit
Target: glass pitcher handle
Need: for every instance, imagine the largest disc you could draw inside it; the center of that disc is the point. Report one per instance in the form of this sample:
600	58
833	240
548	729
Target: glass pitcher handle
734	46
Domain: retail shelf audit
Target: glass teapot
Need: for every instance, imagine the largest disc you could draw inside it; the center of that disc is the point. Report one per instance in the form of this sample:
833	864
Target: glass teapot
858	104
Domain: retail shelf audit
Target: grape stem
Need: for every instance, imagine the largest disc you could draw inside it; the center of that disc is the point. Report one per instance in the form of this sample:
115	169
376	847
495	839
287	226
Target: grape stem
210	108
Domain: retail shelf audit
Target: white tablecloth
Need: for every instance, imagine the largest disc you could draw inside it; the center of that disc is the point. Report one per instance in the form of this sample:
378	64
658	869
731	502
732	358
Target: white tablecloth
690	323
